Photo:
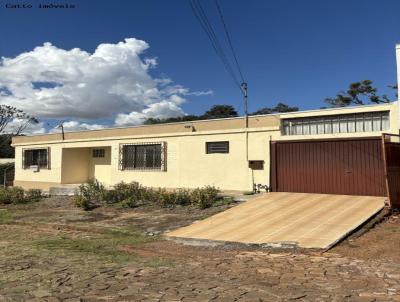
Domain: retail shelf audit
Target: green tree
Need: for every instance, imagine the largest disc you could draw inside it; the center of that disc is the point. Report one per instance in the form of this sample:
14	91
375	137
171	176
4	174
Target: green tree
220	111
185	118
6	151
280	107
13	122
216	111
359	93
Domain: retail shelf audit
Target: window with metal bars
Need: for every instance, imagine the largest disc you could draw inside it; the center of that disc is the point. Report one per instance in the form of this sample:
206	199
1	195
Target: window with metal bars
343	123
98	153
217	147
142	157
36	157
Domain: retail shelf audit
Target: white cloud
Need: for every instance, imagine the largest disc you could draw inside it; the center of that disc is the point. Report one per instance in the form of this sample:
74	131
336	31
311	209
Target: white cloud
16	123
77	126
200	93
158	110
113	81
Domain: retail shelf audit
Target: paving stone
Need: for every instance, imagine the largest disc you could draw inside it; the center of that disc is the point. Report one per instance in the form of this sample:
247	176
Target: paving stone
40	293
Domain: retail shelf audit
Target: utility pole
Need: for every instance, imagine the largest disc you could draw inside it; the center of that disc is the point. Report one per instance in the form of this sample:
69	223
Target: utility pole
246	111
61	125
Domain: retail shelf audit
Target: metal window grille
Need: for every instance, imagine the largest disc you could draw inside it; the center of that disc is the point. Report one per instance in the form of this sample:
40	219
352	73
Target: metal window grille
98	153
36	157
344	123
143	156
217	147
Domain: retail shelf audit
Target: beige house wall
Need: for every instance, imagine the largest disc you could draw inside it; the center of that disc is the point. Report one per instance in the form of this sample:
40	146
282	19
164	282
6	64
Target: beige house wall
52	175
188	165
75	165
100	167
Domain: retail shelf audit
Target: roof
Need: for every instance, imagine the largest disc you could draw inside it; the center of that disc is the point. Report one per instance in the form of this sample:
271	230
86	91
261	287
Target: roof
256	121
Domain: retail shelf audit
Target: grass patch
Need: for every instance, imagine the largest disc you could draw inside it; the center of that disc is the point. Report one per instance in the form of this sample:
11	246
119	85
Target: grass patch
106	247
6	216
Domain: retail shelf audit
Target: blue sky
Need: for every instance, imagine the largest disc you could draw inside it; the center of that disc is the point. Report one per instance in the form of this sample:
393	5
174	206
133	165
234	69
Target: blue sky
298	52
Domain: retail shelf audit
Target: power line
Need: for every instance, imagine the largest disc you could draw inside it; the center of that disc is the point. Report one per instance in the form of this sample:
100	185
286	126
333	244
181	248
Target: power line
228	37
208	29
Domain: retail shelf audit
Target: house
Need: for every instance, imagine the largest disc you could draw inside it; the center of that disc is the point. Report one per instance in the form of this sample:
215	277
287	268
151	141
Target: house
336	151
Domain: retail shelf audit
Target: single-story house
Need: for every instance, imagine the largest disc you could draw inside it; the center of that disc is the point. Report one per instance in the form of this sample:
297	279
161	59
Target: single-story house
336	151
274	150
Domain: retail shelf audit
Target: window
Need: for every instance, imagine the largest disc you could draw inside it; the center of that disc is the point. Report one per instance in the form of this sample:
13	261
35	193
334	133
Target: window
36	157
142	157
98	153
344	123
217	147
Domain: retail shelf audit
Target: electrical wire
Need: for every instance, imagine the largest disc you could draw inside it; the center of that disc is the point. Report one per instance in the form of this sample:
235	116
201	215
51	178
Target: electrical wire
201	16
228	37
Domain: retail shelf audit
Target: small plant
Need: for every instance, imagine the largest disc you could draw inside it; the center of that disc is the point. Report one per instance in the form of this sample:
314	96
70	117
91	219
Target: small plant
182	197
90	195
17	195
33	195
130	195
4	196
204	197
82	202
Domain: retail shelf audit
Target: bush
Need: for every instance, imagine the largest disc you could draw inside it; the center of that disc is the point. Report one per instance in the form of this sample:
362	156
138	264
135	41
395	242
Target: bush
4	196
89	195
204	197
82	202
133	194
17	195
129	194
33	195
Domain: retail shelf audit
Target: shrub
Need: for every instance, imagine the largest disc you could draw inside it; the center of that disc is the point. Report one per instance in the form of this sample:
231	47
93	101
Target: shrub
89	195
204	197
130	202
182	197
33	195
17	195
4	196
133	194
82	202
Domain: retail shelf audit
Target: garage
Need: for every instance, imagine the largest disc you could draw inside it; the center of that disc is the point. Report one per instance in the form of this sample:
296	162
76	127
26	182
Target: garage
332	166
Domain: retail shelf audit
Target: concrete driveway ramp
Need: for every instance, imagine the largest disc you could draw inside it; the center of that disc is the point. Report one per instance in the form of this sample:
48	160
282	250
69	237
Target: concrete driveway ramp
275	219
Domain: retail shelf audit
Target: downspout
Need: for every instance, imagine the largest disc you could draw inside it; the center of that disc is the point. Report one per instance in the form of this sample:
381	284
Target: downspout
398	85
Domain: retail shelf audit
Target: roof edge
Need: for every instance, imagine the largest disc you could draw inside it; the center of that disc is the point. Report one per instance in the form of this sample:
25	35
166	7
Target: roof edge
223	119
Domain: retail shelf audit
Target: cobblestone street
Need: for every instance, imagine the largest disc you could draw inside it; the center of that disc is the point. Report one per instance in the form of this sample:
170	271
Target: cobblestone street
159	270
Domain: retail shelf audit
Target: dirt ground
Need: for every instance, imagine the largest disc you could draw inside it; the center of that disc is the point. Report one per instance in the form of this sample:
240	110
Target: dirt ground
52	251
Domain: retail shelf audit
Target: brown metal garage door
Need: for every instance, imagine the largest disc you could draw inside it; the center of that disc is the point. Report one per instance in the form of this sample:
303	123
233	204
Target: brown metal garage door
342	166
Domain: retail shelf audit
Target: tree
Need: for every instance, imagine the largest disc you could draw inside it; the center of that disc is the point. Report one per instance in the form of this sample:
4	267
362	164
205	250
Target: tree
220	111
280	107
359	93
6	151
152	121
216	111
10	114
13	122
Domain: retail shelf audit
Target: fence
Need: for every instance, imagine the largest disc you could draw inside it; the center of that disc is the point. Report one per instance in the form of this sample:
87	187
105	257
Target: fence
6	174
